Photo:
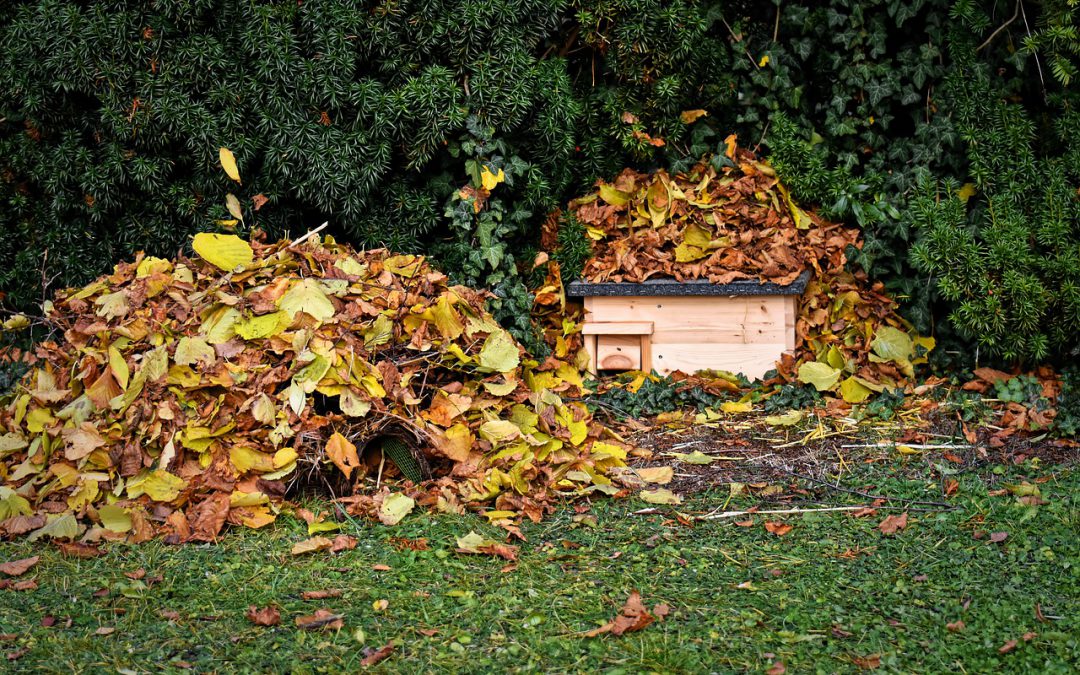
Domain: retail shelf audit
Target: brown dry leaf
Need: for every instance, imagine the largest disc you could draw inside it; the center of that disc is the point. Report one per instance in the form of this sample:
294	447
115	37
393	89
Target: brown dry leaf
17	568
1007	647
998	537
266	616
406	544
955	626
322	595
863	512
777	528
777	668
75	549
25	585
17	654
892	524
744	523
343	454
373	656
343	542
311	545
105	630
476	544
867	662
381	568
322	619
633	617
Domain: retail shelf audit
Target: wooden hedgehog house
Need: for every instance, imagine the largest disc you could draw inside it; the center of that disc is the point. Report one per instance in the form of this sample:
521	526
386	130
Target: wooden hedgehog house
667	325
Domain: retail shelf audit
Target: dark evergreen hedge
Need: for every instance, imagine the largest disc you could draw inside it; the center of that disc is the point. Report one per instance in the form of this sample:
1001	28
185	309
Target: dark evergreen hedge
373	114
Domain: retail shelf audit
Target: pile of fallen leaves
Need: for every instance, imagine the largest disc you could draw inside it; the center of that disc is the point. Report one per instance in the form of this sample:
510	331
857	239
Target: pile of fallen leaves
739	222
183	395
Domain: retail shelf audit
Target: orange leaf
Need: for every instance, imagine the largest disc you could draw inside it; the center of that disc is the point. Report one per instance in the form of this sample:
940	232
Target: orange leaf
342	453
19	567
267	616
779	529
892	524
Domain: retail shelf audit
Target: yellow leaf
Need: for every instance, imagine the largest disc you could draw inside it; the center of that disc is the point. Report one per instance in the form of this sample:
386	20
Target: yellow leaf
498	431
256	516
660	475
352	405
500	388
966	192
224	251
788	419
446	318
660	496
284	457
151	265
691	116
219	324
343	454
601	448
736	406
159	485
233	204
853	391
192	350
248	459
823	376
114	518
119	367
500	353
613	196
238	498
308	297
228	162
489	179
764	61
267	325
395	507
311	545
729	146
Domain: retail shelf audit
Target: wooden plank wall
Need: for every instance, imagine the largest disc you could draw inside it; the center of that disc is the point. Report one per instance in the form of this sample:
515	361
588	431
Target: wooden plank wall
740	334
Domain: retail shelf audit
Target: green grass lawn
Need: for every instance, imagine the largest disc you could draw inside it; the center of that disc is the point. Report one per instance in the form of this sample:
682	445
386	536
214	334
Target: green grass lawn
832	595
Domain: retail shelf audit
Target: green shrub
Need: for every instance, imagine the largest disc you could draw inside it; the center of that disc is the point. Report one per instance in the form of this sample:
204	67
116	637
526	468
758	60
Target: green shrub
375	115
1005	249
